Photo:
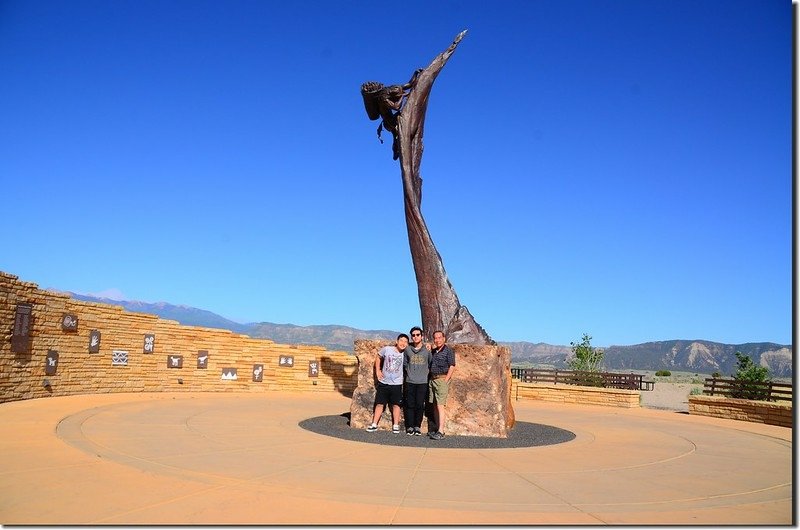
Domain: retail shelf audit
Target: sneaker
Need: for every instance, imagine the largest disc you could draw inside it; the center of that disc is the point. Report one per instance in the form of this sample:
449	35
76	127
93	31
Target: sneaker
372	428
417	431
410	431
395	429
437	436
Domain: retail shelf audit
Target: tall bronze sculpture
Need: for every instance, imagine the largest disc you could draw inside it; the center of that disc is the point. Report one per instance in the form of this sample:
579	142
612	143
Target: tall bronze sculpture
401	109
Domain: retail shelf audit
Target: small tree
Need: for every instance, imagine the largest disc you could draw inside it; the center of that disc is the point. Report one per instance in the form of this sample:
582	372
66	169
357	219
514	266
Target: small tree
586	358
747	374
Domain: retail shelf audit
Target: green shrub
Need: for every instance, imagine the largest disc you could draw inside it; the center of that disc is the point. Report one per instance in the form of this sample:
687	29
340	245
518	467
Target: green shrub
696	391
716	374
585	378
663	373
748	374
585	358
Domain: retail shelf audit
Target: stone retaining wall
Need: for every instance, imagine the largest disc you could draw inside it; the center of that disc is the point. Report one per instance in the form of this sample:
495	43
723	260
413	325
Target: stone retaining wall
581	395
22	374
772	413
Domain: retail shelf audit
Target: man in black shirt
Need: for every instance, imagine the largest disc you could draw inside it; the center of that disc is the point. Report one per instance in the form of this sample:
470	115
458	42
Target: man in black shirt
443	364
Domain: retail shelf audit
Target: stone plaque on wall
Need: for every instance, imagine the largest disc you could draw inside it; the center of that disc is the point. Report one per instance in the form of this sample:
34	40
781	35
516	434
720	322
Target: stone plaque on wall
69	322
202	359
149	343
313	368
51	362
94	341
258	373
119	358
20	337
229	374
286	361
174	361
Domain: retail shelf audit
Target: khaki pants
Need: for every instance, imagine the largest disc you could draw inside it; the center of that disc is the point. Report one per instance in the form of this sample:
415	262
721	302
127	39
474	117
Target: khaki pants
439	388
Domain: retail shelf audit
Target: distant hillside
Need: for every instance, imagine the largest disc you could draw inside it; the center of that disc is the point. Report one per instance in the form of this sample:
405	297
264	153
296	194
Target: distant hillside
332	337
539	353
189	316
698	356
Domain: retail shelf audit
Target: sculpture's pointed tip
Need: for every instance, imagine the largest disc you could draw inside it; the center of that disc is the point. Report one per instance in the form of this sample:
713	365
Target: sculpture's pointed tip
459	37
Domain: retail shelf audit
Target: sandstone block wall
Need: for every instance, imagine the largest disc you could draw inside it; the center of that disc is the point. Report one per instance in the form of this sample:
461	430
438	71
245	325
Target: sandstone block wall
771	413
22	375
581	395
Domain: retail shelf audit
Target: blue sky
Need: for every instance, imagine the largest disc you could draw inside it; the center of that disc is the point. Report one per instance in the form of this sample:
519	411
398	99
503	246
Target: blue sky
619	168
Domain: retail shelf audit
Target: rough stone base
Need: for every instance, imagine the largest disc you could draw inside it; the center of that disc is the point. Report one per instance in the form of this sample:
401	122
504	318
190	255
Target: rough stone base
479	400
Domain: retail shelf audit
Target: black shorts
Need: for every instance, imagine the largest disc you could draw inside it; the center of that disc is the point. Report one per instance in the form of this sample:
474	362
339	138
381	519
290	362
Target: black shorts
392	394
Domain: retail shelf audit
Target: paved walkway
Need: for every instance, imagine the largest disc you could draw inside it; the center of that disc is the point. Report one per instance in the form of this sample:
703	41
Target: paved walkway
194	458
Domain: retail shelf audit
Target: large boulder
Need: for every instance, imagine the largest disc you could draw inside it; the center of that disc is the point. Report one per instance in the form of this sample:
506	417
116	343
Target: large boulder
479	400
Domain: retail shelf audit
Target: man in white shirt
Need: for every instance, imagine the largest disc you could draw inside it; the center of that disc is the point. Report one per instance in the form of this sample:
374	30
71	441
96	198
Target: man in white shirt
389	388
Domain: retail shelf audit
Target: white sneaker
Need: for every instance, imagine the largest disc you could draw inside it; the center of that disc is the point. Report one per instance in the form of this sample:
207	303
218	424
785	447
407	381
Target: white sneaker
372	428
395	429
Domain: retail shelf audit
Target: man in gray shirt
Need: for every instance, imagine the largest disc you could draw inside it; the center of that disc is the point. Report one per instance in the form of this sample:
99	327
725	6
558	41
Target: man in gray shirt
417	360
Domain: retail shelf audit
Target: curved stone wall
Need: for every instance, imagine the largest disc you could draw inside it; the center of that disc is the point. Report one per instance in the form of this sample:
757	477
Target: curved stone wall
53	356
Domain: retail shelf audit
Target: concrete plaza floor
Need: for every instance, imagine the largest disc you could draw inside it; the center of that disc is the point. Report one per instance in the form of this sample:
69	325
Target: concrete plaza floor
194	458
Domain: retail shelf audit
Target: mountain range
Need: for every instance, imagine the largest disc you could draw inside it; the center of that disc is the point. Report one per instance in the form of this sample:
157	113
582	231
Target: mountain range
699	356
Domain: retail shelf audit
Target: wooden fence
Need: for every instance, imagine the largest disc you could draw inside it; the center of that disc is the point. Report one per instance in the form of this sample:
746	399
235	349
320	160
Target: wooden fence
629	381
769	391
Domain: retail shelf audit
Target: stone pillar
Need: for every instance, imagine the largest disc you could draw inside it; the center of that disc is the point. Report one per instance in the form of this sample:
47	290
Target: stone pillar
479	400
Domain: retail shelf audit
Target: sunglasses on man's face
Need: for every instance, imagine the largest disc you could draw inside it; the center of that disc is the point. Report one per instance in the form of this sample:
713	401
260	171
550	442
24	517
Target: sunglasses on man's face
416	334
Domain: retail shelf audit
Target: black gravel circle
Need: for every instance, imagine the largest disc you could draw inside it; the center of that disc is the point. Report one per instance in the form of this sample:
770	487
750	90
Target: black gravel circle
523	434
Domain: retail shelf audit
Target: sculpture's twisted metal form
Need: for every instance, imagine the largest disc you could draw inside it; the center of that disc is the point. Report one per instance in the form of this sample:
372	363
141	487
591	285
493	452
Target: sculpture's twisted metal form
401	109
